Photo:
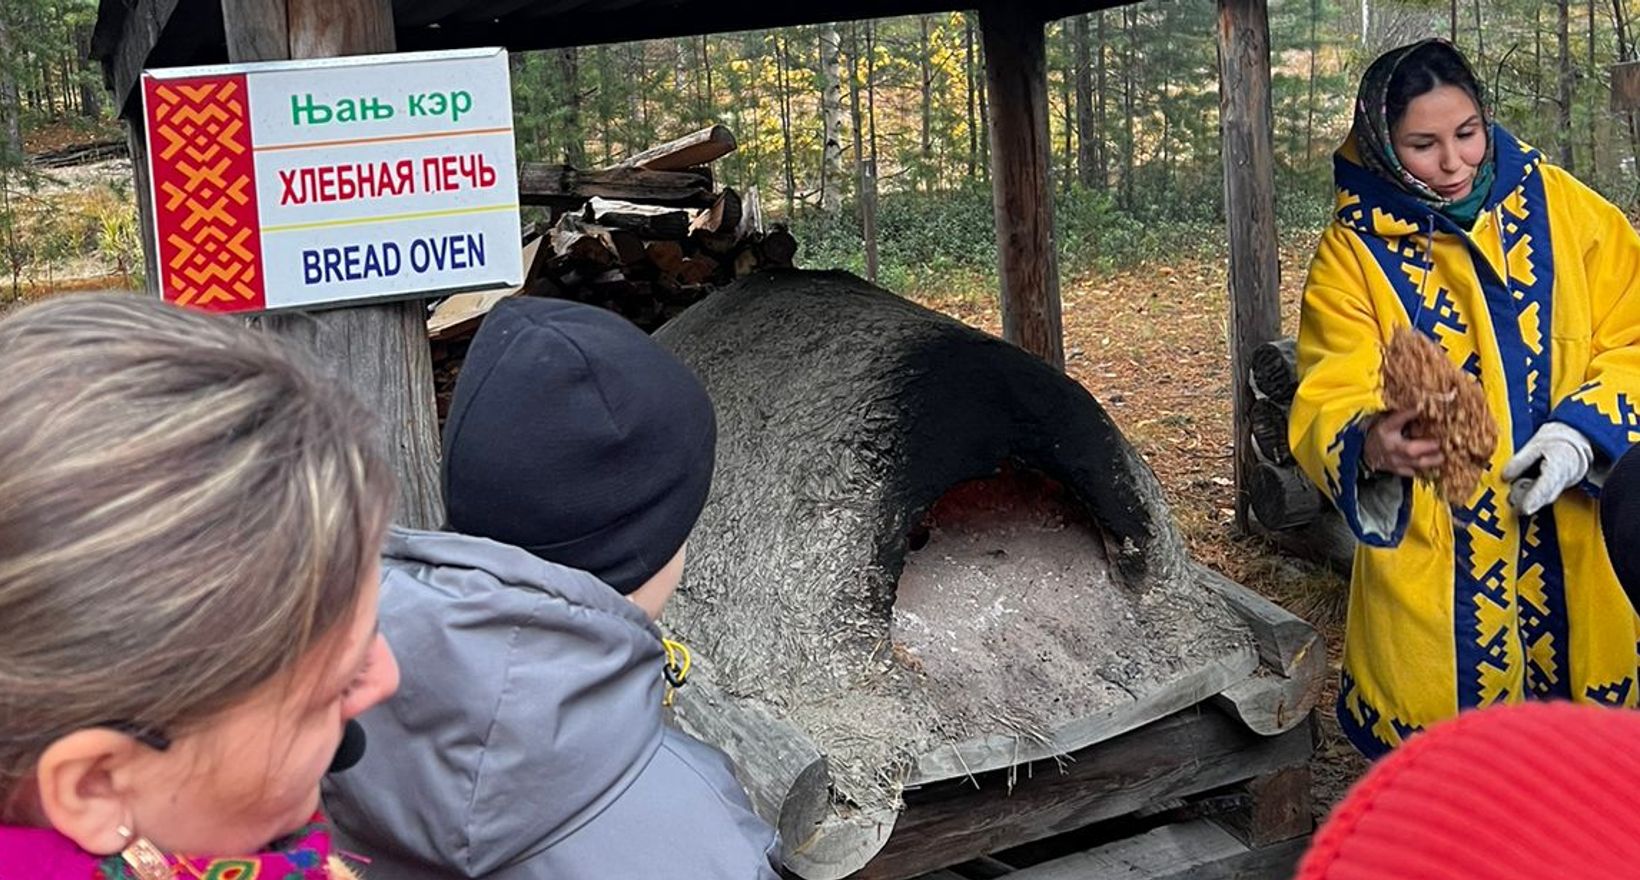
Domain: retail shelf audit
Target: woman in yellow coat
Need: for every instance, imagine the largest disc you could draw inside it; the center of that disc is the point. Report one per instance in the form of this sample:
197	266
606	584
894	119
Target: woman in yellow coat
1531	283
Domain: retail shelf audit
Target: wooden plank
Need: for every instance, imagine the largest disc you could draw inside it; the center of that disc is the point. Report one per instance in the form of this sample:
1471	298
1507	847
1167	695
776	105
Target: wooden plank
380	351
1284	639
1185	754
696	148
1278	808
1197	850
460	315
257	30
1626	86
1245	124
1016	75
564	186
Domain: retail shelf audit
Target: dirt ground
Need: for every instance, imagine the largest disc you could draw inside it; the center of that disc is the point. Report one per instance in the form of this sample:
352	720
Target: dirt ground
1151	343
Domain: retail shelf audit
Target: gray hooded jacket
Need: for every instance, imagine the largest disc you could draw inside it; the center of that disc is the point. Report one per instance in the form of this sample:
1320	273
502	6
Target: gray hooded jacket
526	740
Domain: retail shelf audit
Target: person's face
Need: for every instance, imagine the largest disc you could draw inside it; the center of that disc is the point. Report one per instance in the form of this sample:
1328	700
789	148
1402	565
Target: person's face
1441	139
251	775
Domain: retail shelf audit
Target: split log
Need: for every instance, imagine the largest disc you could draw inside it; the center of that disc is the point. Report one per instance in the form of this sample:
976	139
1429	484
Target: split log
697	148
696	270
1326	540
649	221
1273	370
778	249
722	218
1293	659
665	256
1284	498
1268	422
566	187
572	241
1278	808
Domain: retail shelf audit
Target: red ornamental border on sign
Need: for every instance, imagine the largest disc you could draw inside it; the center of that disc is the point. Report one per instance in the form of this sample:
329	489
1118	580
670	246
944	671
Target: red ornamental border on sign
204	180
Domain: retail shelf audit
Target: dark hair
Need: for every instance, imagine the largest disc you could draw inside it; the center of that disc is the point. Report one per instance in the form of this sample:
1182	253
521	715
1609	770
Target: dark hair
1426	68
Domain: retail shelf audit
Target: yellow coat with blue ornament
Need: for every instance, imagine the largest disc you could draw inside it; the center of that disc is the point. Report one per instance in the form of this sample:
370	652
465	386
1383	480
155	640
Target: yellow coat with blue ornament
1458	606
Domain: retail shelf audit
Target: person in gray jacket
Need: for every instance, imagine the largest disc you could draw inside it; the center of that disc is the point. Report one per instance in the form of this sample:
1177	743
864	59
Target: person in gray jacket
526	741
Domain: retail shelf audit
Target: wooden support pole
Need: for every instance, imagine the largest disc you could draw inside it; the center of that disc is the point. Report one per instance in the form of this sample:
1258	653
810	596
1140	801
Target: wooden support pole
1017	80
380	351
1250	210
136	139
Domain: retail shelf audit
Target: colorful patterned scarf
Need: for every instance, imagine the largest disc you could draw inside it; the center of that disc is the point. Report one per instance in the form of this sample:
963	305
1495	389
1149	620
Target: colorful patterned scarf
1377	148
46	855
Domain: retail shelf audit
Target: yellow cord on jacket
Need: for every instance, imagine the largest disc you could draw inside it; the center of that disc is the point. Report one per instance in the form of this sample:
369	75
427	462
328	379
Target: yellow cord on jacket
676	671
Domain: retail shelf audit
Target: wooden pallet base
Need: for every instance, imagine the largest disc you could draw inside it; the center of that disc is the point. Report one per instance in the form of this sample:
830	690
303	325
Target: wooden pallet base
1199	849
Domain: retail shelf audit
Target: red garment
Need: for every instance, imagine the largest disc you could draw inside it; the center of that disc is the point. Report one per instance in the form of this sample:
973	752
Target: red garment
1534	791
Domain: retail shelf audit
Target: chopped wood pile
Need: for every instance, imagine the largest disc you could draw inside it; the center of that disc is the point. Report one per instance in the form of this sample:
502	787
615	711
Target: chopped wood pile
1291	510
646	239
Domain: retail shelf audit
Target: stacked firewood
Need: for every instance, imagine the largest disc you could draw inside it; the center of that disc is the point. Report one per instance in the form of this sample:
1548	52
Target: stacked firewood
650	262
1285	504
646	238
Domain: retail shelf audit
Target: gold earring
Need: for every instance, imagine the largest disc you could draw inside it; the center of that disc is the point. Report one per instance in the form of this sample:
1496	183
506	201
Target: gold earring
144	859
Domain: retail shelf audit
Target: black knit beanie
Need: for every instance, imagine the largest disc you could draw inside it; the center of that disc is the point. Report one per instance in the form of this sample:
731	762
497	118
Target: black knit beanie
575	436
1620	521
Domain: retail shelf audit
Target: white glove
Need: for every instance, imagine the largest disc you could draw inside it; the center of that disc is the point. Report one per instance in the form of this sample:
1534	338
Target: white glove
1561	456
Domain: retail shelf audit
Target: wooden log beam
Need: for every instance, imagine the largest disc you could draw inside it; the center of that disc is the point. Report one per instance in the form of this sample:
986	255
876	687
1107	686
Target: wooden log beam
1194	751
379	351
1016	75
695	148
1250	207
564	186
1283	497
137	137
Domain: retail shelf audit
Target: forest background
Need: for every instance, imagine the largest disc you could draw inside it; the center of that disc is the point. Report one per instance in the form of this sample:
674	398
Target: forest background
869	138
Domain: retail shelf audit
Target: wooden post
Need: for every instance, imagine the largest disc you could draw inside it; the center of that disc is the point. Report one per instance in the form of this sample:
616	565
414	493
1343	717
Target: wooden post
136	140
1250	210
380	351
1017	81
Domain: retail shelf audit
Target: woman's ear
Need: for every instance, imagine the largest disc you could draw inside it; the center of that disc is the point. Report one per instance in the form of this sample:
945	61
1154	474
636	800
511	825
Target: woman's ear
82	781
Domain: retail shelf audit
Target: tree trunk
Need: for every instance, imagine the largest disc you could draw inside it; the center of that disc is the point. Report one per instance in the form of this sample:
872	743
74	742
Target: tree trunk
1129	21
1309	106
379	351
1537	56
925	144
1563	34
866	177
1454	23
968	81
1594	78
984	114
11	125
708	110
1067	103
1086	140
1103	160
1366	24
569	74
783	82
91	90
831	112
1480	38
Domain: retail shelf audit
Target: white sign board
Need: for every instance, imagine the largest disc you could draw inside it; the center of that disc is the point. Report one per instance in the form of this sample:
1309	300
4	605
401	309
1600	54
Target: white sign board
306	184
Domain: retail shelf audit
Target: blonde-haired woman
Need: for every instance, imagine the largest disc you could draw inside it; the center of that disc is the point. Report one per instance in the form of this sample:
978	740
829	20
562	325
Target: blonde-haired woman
190	521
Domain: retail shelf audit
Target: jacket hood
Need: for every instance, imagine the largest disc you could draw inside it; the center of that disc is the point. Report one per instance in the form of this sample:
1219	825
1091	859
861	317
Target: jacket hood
529	701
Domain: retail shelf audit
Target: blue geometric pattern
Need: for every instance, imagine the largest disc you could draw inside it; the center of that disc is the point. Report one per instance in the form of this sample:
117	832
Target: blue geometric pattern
1342	485
1544	633
1613	694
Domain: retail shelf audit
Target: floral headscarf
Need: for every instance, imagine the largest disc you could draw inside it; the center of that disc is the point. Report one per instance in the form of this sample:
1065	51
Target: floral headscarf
1376	146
